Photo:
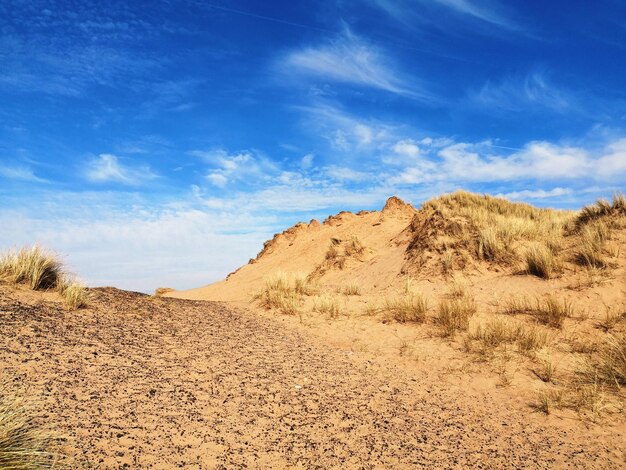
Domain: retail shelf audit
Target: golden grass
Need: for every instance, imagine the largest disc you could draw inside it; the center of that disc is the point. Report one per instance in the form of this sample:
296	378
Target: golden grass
608	364
548	310
33	266
549	400
352	288
454	314
458	289
497	332
546	370
591	249
412	307
602	209
41	270
486	228
23	445
282	293
354	247
74	295
327	305
160	291
542	262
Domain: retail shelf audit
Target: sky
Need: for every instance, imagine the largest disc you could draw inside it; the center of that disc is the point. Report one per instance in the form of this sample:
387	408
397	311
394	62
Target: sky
160	143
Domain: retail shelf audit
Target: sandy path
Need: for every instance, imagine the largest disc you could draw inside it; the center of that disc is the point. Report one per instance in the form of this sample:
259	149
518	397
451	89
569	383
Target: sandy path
142	382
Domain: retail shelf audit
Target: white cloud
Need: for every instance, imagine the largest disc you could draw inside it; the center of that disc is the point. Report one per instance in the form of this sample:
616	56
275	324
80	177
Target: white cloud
307	161
410	14
540	161
527	194
107	167
349	59
406	148
613	163
20	173
346	132
228	167
346	174
517	93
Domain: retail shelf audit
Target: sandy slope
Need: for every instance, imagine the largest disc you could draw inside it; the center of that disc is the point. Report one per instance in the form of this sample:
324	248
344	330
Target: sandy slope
302	249
138	381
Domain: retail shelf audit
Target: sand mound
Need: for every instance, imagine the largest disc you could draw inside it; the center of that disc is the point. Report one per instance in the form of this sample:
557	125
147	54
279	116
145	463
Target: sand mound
455	233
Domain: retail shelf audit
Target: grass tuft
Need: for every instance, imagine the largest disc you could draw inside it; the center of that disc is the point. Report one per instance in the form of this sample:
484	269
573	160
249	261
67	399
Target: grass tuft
35	267
541	262
601	209
352	288
454	314
23	445
498	332
41	270
410	308
608	364
74	295
327	305
549	310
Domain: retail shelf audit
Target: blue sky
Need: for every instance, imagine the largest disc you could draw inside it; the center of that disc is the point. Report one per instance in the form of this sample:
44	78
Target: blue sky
160	143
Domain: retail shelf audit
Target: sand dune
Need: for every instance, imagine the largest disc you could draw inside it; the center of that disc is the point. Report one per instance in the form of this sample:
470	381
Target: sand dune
468	332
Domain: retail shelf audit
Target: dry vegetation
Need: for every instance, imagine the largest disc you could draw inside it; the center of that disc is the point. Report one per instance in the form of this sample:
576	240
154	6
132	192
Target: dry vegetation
484	228
550	310
327	305
488	337
282	293
411	307
42	270
23	444
454	314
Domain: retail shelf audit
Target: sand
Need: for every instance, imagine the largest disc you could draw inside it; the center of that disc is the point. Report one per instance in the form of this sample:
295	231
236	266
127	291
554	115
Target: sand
141	382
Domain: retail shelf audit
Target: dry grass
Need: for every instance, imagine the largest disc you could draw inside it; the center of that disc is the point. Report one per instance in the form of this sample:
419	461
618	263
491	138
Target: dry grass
332	253
352	288
447	262
457	290
549	310
410	308
602	209
542	262
488	228
549	400
302	285
490	246
546	370
161	291
608	365
41	270
592	246
23	445
354	247
74	295
327	305
454	314
497	332
282	293
33	266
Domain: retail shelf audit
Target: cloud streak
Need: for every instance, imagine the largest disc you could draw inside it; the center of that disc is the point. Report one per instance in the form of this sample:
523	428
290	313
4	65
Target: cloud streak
107	168
350	60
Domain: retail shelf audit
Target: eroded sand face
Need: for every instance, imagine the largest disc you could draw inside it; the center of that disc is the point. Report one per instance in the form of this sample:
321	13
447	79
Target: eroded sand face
143	382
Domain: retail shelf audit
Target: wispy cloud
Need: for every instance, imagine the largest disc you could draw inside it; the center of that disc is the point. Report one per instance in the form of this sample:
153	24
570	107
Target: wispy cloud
350	59
21	173
226	168
107	168
412	12
530	92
